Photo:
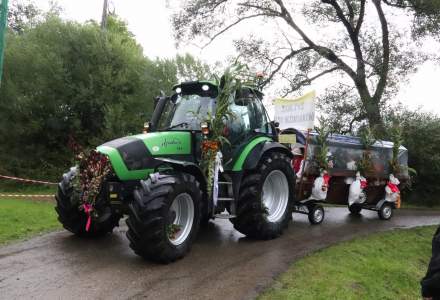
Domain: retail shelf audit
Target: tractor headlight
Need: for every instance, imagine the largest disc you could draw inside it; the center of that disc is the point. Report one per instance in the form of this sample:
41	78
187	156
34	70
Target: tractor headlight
147	126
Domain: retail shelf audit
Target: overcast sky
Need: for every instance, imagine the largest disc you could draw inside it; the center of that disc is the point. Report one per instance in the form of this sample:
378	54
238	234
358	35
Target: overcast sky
150	22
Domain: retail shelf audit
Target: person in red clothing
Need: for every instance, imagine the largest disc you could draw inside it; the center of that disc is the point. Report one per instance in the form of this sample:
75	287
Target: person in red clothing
431	282
297	162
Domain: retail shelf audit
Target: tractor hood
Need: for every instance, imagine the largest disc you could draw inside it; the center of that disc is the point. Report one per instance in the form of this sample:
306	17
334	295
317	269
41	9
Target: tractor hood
133	157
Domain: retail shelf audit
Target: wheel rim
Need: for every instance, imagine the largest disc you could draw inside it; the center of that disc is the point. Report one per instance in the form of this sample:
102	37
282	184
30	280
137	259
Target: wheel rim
275	195
387	211
317	215
180	225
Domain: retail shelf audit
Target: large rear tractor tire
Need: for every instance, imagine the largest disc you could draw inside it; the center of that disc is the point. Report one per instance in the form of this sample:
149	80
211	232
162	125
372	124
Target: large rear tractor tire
165	216
266	198
75	220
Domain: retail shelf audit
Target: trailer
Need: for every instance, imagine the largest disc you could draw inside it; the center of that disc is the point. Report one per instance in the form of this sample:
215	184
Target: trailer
376	190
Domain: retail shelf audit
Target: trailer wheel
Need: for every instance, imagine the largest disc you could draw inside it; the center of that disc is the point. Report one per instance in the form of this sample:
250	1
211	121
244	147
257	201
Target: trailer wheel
385	212
355	209
316	214
266	198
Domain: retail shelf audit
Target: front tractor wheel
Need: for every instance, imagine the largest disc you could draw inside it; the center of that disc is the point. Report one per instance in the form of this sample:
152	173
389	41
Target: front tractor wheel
73	219
266	197
165	216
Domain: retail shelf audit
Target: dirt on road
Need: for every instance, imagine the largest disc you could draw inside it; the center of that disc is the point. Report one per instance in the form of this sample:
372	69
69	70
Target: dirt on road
223	264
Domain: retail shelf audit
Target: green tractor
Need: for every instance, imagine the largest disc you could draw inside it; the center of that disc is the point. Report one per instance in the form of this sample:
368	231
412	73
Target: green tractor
156	178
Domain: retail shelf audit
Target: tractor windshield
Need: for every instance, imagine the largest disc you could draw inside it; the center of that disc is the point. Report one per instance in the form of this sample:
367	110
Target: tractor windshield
186	112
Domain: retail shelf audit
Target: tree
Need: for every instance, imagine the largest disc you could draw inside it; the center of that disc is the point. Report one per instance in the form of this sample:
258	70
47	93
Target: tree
190	68
64	79
353	39
21	15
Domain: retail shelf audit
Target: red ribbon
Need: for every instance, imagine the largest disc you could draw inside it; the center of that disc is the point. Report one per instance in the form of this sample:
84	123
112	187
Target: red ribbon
326	178
88	209
393	187
364	184
297	164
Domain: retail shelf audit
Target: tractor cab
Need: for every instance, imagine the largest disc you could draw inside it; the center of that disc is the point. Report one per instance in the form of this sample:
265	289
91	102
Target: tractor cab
194	103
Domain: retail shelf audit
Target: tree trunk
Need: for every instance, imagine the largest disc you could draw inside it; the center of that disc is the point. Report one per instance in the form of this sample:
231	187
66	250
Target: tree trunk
373	114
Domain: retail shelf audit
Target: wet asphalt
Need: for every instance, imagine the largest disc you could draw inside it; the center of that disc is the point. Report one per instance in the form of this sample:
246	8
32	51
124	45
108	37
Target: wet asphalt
223	264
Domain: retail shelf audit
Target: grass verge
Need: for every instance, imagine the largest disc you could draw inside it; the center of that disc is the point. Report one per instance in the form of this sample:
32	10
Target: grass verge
21	219
382	266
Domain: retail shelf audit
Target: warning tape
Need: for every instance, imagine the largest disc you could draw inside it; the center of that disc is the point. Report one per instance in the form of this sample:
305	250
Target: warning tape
26	196
28	180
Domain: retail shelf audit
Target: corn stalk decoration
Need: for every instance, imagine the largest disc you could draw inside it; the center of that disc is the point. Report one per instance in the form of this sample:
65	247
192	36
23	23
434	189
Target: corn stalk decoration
365	164
323	130
234	77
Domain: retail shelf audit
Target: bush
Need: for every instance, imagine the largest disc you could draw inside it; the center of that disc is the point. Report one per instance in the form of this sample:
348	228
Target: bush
421	136
64	78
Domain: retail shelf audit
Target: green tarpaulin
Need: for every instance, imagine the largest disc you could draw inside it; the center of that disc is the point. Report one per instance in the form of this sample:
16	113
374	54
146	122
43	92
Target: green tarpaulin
3	19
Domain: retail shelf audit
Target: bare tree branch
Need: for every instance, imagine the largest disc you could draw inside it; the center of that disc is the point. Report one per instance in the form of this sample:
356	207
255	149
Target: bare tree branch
213	37
308	80
266	9
386	51
350	12
286	58
323	51
361	17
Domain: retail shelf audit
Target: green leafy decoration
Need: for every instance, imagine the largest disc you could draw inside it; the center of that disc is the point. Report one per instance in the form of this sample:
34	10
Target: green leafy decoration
323	130
365	164
232	80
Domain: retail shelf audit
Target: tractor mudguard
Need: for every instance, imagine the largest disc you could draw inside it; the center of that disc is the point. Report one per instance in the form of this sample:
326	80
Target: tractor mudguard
188	167
260	149
250	161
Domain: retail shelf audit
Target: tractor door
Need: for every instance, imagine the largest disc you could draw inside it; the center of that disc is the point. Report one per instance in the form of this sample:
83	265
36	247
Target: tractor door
249	121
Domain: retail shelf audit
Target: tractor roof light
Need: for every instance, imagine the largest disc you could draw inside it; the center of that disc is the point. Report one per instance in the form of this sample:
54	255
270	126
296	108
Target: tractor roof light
205	87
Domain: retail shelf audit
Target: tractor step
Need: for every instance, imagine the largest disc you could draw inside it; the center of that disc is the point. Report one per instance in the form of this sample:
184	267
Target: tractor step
224	216
225	182
225	199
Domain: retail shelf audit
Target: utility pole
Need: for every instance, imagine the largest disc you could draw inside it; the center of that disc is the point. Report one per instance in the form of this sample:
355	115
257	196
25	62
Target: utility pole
3	19
104	15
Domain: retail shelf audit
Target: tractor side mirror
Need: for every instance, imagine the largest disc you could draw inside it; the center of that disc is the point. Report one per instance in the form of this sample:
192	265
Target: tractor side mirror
276	124
156	100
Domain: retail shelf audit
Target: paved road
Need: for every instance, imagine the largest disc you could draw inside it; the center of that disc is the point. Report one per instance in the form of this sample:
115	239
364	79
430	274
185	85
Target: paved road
223	264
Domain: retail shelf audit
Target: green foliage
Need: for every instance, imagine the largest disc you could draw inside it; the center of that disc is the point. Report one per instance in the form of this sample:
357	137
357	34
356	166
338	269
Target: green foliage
421	136
365	164
63	78
21	15
229	83
395	134
191	69
383	266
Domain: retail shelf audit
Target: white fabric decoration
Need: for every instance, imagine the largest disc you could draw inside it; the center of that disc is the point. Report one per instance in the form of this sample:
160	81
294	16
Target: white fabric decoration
218	167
